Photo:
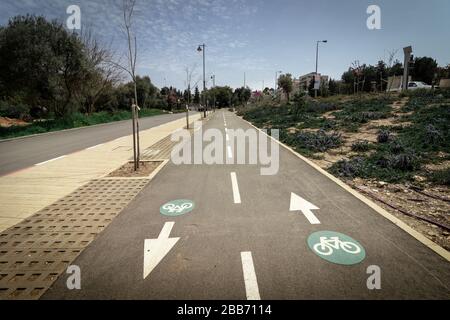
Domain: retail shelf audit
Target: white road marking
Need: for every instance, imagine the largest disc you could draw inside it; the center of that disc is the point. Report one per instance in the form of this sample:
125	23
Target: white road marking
300	204
48	161
95	146
228	137
251	283
156	249
230	152
234	184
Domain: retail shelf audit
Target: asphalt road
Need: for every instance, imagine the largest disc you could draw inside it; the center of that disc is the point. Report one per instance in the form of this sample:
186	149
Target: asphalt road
206	262
22	153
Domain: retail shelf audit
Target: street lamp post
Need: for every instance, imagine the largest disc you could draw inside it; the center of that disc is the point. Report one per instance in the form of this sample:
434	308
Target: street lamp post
213	77
317	61
201	48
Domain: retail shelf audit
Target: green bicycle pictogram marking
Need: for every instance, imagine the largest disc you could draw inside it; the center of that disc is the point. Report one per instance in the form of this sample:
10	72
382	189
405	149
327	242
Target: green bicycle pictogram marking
336	247
177	208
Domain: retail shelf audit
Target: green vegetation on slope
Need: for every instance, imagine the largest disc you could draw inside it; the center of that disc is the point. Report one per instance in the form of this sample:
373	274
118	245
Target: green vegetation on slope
420	136
76	120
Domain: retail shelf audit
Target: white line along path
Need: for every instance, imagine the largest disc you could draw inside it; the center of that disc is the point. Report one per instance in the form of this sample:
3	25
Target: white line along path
251	283
234	184
95	146
48	161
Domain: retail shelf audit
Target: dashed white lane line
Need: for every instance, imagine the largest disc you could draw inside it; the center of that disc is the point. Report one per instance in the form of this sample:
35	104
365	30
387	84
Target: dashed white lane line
95	146
234	184
48	161
228	137
229	152
250	280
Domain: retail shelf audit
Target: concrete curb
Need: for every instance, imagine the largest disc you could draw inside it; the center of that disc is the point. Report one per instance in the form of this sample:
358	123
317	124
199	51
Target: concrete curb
402	225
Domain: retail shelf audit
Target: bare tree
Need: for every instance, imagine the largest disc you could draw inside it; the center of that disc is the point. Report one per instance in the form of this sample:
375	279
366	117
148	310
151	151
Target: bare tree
103	75
390	63
358	72
189	75
128	8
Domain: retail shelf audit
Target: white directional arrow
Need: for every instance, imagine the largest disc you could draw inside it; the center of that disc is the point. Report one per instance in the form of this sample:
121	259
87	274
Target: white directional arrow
156	249
300	204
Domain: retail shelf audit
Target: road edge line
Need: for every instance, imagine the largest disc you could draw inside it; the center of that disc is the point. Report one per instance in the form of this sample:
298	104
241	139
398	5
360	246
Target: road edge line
402	225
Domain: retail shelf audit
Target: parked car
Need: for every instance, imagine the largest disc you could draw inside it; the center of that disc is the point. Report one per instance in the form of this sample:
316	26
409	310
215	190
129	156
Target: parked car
414	85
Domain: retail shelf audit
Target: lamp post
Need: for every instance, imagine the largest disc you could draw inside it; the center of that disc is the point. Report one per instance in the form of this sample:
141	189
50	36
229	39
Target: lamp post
201	48
317	61
213	78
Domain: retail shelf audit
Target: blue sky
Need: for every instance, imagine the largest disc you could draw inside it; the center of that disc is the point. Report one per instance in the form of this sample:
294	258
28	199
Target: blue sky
257	37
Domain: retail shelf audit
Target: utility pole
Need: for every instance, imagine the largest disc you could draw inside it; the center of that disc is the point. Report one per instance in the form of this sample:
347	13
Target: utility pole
317	65
202	48
245	80
213	77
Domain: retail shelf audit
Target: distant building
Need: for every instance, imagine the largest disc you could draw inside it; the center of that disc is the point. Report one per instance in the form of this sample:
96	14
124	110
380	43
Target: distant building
302	84
305	81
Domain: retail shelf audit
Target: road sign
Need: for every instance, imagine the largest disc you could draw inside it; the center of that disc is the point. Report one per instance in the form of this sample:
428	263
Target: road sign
177	208
336	247
317	81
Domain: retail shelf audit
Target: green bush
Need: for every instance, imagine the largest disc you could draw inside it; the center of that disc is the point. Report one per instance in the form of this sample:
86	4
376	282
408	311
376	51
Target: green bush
361	146
384	136
441	177
76	120
14	110
317	141
349	168
407	161
433	136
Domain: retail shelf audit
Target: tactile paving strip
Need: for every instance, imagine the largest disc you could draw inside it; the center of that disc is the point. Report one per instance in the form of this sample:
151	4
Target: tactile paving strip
159	151
35	252
162	150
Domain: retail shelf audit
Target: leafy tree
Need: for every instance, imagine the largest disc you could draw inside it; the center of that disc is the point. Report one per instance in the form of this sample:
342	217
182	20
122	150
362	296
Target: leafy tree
241	95
42	64
333	87
424	69
223	96
266	91
382	74
285	82
396	69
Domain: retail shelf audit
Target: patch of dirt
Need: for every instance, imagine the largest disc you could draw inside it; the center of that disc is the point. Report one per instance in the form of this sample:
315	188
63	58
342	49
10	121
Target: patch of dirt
326	160
403	197
293	130
329	115
8	122
438	167
146	168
